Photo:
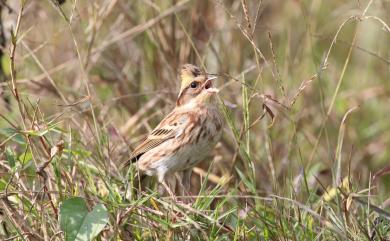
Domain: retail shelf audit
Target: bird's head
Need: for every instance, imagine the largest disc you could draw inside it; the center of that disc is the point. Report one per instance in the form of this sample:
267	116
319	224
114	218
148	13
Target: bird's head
188	73
199	89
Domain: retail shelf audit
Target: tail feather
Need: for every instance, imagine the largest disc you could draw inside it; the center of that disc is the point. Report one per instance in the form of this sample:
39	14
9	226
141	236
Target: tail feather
131	160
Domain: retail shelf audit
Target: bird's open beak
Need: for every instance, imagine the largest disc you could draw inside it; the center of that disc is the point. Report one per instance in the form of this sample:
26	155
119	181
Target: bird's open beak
209	85
211	77
212	90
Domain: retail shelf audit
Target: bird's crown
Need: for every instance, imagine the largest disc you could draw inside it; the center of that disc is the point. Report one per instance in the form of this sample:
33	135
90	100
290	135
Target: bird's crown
188	73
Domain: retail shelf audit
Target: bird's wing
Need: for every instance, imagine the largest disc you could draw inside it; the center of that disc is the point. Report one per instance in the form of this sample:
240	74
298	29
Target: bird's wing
170	127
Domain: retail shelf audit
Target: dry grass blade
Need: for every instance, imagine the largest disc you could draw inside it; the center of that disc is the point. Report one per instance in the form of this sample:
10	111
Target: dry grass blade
339	146
383	171
131	33
137	116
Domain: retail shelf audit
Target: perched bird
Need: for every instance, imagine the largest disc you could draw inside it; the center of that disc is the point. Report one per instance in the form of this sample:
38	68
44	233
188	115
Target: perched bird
187	134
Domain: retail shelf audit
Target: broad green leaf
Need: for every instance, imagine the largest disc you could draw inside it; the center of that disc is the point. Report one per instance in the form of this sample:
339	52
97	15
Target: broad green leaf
16	136
93	223
79	224
72	214
25	157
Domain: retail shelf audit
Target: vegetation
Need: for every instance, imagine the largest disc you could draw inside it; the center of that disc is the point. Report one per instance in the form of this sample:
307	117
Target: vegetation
304	89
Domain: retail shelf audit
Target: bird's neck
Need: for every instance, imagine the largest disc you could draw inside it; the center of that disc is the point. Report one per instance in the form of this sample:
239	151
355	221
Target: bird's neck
181	100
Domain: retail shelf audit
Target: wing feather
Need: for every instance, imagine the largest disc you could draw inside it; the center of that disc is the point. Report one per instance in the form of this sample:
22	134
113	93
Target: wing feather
168	128
157	137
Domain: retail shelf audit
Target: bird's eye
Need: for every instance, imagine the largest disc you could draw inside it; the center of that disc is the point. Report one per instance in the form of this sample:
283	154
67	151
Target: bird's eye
194	85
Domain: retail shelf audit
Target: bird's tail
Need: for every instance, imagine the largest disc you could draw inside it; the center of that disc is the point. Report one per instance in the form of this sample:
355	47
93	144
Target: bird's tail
131	160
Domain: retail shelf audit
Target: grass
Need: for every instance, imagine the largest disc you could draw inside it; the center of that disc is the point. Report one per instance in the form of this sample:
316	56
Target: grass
304	90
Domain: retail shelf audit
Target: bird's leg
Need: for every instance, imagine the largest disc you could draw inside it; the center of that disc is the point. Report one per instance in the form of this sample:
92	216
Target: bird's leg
172	181
187	184
180	187
168	189
184	179
187	181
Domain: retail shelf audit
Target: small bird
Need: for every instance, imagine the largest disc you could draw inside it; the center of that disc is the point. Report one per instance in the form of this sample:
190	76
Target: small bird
187	134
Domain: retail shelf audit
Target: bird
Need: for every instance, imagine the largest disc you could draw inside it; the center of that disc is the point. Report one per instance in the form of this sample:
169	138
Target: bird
187	134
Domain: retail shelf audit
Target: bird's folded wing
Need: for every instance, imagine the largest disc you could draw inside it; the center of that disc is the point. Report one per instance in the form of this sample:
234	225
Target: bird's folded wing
168	128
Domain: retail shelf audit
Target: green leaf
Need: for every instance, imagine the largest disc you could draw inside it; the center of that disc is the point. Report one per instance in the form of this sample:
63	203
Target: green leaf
79	224
17	137
10	155
5	64
25	157
246	181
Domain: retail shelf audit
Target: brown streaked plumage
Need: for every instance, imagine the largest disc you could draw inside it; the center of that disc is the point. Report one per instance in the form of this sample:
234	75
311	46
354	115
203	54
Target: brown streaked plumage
187	134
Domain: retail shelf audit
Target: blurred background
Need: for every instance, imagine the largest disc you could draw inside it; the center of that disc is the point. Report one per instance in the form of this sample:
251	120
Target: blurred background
99	75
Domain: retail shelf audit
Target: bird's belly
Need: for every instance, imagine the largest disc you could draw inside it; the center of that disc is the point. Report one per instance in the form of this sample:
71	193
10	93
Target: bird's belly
193	153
